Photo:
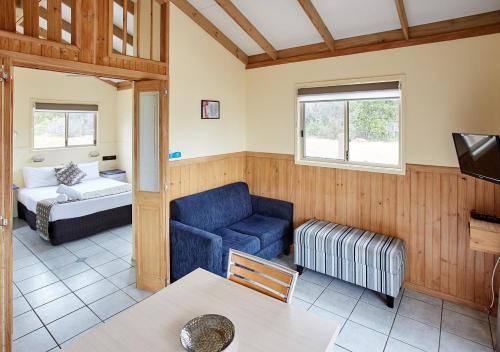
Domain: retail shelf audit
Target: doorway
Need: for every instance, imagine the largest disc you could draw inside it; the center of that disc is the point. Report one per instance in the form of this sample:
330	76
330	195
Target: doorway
150	210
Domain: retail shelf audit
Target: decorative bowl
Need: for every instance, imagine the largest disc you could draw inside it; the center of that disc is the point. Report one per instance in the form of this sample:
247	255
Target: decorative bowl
207	333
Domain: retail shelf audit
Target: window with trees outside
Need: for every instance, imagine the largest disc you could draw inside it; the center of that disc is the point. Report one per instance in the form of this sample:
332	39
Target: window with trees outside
351	126
64	125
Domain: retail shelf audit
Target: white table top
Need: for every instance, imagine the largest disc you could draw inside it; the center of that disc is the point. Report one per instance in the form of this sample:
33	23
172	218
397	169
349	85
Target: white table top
262	323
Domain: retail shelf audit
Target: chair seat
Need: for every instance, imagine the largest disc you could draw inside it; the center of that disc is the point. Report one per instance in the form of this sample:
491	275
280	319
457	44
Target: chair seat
267	229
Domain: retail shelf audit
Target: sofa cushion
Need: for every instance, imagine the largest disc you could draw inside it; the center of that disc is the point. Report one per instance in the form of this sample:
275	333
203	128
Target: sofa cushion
238	241
266	228
213	209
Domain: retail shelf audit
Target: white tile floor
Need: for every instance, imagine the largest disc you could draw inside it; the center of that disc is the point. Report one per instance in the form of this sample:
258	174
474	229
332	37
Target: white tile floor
62	291
416	323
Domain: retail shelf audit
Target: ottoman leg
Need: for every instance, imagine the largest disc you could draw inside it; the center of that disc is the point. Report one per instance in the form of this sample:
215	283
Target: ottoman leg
300	269
390	301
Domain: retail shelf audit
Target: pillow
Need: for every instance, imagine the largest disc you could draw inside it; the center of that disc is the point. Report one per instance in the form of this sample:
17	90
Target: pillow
91	169
35	177
70	174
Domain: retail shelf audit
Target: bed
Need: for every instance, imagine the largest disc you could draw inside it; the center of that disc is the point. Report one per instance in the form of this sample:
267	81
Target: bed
75	220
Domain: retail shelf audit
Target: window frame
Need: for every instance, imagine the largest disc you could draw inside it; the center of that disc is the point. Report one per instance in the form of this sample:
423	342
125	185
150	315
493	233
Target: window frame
66	115
300	140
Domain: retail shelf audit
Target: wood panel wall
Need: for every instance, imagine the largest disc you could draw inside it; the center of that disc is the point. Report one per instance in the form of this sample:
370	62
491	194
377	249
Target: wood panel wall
428	207
200	174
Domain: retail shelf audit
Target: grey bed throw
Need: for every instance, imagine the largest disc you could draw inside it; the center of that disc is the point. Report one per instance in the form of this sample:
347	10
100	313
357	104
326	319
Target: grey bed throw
44	207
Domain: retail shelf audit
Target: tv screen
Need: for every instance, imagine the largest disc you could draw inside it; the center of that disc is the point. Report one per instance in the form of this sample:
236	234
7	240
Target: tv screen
479	155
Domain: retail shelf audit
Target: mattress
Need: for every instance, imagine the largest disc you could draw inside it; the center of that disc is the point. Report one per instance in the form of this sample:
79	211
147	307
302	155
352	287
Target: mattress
29	197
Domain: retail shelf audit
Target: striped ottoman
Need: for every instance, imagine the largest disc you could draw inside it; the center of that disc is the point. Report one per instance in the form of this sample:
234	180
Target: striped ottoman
361	257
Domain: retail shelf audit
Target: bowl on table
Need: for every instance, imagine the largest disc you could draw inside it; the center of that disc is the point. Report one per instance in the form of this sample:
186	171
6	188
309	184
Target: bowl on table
207	333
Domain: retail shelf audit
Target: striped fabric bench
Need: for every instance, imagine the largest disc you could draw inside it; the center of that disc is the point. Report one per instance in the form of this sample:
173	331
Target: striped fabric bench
364	258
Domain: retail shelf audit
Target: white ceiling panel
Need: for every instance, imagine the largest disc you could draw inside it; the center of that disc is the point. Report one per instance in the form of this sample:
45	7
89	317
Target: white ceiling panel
201	4
350	18
428	11
282	22
231	29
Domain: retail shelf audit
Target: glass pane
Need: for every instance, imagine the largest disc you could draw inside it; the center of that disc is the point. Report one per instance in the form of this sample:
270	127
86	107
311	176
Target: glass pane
48	129
42	19
149	160
66	21
119	34
19	17
324	129
81	128
374	131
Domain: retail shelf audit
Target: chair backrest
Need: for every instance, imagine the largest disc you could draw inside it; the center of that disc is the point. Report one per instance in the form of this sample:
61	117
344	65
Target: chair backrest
261	275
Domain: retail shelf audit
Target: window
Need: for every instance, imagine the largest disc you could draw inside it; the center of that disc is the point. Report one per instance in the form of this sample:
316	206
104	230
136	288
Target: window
64	125
351	126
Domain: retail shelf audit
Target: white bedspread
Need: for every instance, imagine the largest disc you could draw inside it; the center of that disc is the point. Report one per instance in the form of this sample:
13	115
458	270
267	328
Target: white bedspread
30	197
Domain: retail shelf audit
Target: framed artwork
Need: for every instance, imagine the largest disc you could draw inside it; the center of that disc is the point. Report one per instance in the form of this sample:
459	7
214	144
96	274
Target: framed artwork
210	109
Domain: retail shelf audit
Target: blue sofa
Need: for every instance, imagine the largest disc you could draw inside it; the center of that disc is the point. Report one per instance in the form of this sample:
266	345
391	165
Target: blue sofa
204	226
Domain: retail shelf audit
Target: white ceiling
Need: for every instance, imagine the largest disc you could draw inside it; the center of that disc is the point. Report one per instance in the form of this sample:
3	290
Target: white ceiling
285	25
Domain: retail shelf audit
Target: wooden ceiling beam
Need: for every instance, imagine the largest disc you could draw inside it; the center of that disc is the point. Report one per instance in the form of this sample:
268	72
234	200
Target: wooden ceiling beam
402	18
458	28
213	31
248	27
318	23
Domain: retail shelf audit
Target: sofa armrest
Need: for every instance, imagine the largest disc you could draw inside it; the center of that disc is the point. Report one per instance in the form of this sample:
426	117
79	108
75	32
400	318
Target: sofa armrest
193	248
273	207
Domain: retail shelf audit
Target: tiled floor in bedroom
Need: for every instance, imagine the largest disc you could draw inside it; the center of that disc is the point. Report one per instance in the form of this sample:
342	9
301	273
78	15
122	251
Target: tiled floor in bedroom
416	323
62	291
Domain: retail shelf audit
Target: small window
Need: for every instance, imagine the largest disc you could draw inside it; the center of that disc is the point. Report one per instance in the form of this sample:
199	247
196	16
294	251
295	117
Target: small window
64	125
351	126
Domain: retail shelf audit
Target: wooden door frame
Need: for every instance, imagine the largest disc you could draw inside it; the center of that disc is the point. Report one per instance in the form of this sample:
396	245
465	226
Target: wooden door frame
15	60
6	147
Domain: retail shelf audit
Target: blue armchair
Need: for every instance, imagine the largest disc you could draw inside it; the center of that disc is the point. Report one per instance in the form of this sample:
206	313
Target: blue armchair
204	226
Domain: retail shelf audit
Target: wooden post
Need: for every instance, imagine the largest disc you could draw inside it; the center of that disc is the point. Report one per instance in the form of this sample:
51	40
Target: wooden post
30	18
54	20
8	15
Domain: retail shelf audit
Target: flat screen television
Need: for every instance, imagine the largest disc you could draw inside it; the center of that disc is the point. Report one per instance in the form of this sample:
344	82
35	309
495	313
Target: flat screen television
479	155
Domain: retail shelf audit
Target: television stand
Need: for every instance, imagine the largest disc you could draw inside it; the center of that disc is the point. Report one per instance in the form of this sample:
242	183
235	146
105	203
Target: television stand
484	217
485	237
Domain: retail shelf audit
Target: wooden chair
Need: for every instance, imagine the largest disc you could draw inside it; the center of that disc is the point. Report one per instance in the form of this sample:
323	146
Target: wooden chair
261	275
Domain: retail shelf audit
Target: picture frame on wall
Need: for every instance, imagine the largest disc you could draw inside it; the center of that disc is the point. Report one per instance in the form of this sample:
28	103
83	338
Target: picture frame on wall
210	109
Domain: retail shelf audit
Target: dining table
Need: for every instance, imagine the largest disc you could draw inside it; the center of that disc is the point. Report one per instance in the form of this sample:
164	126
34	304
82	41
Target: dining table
261	323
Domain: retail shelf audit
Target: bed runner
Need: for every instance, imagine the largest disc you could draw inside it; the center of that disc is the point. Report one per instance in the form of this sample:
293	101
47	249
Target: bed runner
44	207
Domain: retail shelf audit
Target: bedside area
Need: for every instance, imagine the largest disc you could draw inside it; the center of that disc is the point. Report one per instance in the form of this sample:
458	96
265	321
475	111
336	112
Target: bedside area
115	174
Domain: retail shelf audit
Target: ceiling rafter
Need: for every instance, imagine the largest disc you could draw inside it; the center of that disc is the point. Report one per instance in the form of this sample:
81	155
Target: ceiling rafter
400	5
248	27
318	23
458	28
212	30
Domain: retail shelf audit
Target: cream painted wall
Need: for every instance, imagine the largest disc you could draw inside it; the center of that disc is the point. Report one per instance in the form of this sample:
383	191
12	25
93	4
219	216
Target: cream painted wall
450	86
37	85
124	130
201	68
